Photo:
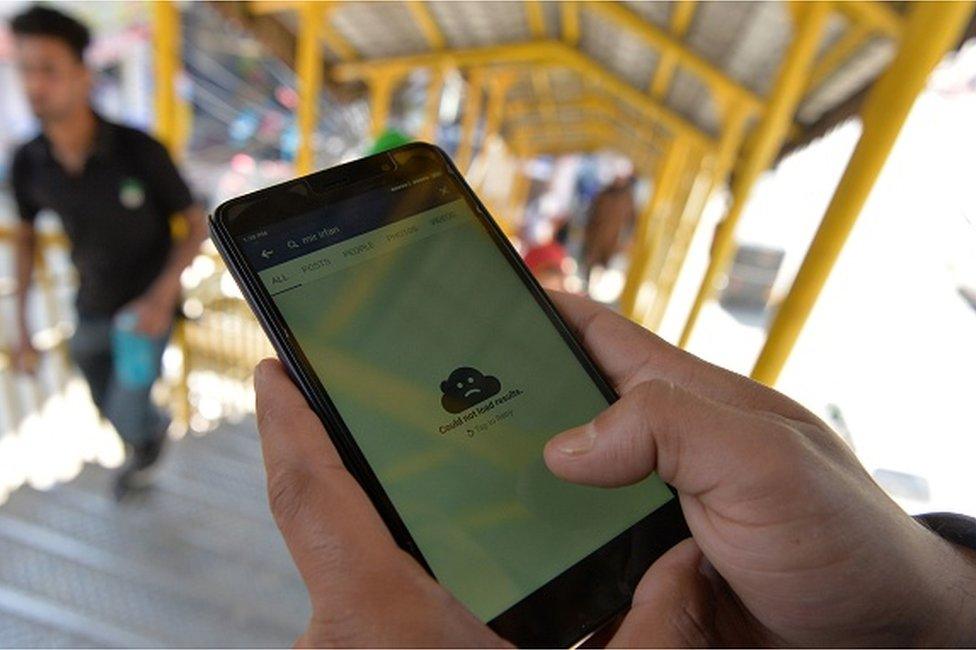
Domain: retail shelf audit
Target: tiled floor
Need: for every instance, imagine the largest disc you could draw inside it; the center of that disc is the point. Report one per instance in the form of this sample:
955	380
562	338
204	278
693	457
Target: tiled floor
195	561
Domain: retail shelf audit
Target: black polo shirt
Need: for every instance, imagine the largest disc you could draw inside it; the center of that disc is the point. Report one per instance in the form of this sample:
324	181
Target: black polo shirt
115	212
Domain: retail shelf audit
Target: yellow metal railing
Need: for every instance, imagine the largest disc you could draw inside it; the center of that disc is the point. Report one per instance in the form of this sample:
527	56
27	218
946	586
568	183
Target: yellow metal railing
218	346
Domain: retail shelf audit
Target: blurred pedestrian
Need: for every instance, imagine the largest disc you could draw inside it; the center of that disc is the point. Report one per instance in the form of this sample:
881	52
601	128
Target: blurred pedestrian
115	189
611	221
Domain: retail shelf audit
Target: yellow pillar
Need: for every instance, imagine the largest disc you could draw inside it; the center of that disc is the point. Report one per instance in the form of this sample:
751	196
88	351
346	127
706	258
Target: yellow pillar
172	128
495	111
680	198
380	94
308	64
435	90
469	121
686	197
791	80
646	231
569	12
714	175
166	38
931	29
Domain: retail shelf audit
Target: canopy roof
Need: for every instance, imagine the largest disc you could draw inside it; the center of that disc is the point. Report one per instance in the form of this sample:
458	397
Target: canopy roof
644	68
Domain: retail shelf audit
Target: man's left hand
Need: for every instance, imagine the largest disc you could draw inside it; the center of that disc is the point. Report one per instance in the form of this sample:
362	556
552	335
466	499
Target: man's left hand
155	313
364	590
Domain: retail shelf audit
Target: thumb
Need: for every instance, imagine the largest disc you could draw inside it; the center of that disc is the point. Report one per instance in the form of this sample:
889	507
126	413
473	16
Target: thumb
672	606
692	442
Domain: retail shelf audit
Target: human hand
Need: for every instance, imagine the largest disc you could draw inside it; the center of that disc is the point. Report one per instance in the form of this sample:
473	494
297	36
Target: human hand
800	546
364	590
24	355
154	312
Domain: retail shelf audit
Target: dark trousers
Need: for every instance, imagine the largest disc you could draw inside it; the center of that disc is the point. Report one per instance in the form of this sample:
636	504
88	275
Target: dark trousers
130	410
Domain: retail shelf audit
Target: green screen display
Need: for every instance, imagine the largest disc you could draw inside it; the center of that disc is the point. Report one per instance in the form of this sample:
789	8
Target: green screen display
451	379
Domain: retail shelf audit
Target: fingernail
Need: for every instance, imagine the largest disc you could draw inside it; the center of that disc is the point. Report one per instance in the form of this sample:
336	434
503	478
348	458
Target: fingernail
576	441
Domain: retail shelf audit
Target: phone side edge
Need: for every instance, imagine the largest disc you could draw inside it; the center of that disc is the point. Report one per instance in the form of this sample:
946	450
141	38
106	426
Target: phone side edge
349	452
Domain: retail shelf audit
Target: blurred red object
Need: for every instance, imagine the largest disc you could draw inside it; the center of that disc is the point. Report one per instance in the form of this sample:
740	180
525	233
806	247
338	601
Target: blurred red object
552	266
545	257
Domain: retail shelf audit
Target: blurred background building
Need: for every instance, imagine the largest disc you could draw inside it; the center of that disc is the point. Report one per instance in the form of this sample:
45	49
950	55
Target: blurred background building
782	188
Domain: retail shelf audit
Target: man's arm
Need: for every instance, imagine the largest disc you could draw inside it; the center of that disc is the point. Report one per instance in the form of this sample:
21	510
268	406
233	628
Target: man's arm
155	307
25	243
171	195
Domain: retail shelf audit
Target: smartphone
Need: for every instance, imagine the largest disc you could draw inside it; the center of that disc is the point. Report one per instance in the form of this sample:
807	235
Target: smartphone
440	368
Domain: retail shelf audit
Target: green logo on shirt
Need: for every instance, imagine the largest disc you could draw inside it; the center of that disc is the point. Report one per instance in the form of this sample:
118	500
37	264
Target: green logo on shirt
131	194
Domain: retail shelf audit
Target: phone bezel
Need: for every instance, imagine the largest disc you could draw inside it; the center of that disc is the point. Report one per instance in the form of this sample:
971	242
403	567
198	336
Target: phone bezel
578	601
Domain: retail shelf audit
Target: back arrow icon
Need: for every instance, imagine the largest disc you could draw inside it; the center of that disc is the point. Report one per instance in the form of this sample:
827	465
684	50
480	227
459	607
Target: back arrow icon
266	253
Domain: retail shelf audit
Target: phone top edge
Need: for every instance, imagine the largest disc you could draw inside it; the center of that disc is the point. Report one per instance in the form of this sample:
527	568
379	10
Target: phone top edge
219	213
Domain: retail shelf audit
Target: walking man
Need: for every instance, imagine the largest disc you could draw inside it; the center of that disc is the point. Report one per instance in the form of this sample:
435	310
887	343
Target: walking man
115	189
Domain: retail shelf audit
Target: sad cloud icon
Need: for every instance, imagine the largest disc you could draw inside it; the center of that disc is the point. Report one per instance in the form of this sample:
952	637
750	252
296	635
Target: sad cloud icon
466	387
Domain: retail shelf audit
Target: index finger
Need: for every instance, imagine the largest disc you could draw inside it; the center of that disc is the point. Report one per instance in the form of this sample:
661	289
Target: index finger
629	355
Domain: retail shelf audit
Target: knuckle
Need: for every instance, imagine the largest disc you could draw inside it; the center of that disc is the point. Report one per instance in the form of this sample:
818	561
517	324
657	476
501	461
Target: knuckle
788	455
288	491
794	443
654	393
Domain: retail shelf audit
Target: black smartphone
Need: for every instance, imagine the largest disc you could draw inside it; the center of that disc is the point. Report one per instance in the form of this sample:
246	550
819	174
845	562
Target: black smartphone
440	369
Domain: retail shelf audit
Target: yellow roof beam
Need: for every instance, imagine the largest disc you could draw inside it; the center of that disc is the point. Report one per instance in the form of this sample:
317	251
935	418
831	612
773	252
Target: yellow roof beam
682	13
587	142
879	16
263	7
566	132
332	38
587	104
589	101
624	131
640	101
610	130
866	19
336	41
425	21
535	18
721	85
584	136
839	53
552	53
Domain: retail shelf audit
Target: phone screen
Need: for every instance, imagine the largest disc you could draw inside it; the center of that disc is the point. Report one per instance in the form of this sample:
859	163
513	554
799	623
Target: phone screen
451	378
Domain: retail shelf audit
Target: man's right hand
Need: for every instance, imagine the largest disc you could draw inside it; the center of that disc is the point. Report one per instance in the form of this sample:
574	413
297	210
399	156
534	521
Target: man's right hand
794	543
25	356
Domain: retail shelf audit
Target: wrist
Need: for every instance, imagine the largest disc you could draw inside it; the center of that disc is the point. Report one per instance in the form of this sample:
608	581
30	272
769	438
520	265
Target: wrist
165	290
950	615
